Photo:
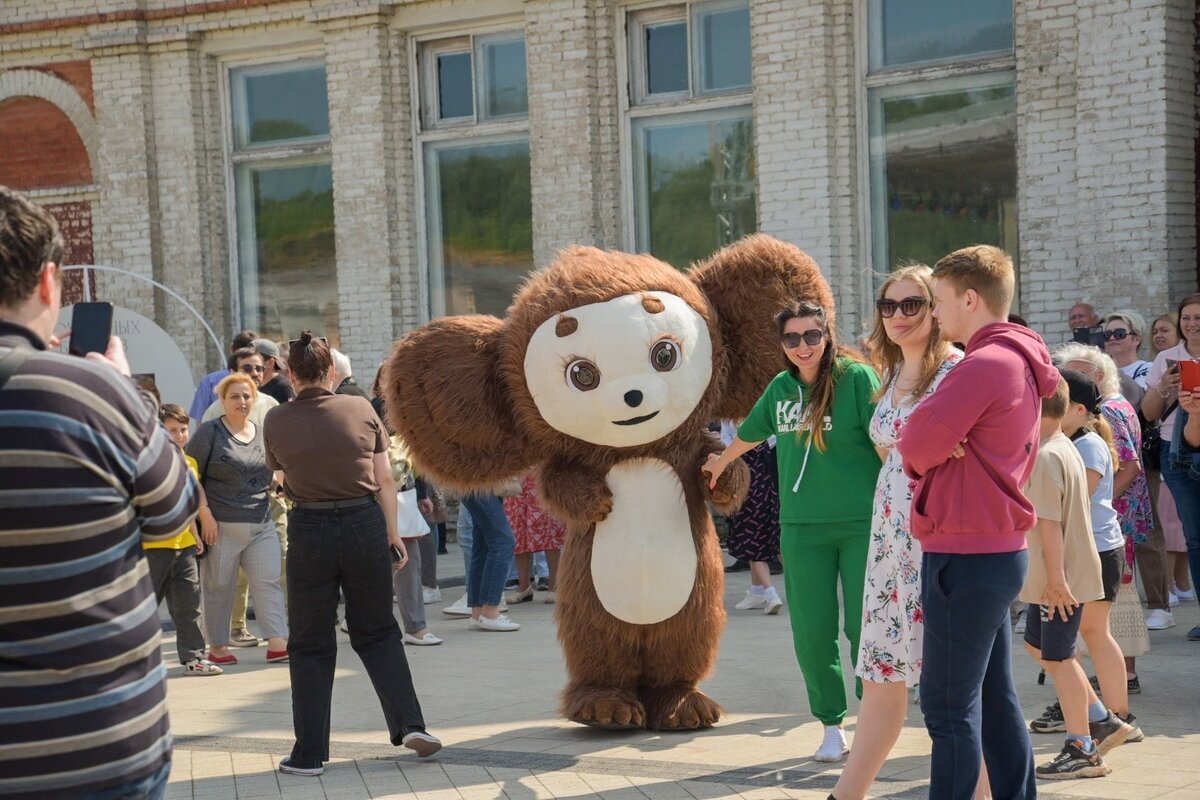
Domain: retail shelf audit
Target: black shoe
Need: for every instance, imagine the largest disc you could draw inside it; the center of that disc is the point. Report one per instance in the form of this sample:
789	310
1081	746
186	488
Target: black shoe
250	613
543	584
1095	682
1109	732
1072	763
741	565
292	767
1051	721
1133	685
1137	735
443	551
775	566
1194	634
513	584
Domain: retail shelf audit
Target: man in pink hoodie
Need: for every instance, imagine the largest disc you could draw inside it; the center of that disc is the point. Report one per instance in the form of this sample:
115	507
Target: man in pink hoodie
971	446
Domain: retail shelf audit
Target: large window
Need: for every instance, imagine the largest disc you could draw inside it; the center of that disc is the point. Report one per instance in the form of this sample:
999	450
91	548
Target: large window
475	159
691	129
943	167
287	270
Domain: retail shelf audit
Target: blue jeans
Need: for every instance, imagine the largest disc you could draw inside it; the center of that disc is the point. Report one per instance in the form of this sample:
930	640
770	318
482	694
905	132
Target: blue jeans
465	532
152	787
491	550
1178	464
967	691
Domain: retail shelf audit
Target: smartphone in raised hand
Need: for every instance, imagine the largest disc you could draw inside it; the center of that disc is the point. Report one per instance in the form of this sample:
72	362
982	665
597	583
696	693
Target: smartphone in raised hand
1189	375
91	327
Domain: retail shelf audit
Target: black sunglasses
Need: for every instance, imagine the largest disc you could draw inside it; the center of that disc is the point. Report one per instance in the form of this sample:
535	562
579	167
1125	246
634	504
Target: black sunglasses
1116	333
295	342
811	338
252	368
909	306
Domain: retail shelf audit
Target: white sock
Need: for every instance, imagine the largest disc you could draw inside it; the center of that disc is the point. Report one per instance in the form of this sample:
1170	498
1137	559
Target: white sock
757	590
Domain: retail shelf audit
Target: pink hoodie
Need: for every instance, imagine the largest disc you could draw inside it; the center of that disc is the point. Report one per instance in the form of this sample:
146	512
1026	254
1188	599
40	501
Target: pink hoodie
992	399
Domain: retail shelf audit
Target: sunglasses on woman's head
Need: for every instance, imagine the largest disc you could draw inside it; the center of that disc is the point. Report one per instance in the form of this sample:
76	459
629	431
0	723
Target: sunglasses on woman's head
811	338
909	306
1115	333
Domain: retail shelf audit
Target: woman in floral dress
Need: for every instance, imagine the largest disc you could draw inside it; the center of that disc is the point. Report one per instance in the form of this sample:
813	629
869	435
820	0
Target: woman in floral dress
912	360
535	531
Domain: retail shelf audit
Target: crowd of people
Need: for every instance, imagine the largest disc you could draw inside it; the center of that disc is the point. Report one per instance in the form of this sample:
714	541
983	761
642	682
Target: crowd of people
920	495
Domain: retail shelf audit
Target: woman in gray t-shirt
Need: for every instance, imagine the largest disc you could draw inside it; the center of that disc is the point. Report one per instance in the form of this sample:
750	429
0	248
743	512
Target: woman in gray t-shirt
233	468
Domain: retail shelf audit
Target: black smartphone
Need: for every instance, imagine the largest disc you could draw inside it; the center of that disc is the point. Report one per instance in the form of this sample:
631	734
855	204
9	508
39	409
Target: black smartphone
395	551
91	327
1090	336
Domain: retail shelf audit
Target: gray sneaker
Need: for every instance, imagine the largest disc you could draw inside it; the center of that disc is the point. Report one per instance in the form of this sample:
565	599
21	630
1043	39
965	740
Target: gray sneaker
1109	732
243	638
1137	735
1051	721
1073	763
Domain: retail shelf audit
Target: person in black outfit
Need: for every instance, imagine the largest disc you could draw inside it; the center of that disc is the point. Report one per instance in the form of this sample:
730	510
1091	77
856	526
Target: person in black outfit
274	383
341	527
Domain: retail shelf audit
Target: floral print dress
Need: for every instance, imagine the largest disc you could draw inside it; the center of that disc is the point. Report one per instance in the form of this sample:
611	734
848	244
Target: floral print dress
890	649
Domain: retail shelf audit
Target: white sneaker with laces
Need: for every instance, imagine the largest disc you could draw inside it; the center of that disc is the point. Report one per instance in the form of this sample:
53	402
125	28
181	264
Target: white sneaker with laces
431	596
500	624
1019	625
833	748
1174	599
458	608
1160	620
774	603
201	666
426	640
752	600
1184	597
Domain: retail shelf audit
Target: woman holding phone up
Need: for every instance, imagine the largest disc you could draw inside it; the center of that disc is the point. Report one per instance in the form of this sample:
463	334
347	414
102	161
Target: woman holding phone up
820	410
1162	402
332	452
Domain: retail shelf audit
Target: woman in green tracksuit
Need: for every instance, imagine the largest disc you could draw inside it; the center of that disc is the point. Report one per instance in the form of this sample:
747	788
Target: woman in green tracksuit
820	409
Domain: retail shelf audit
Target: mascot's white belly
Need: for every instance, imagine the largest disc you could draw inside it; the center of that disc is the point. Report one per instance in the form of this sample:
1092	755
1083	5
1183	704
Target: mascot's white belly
643	554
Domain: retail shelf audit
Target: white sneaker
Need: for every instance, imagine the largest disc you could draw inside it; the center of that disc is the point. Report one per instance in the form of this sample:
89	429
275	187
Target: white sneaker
431	596
1174	599
834	747
1019	625
201	666
500	624
422	743
774	603
1183	596
1159	620
752	600
427	639
458	608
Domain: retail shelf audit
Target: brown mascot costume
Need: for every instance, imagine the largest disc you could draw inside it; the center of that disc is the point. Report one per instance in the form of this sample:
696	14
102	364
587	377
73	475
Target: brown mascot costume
605	373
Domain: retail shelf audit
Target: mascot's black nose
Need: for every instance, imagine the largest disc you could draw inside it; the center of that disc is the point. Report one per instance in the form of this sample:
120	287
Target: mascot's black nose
633	398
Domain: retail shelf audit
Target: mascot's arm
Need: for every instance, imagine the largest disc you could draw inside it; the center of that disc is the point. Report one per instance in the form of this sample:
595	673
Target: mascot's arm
732	486
574	493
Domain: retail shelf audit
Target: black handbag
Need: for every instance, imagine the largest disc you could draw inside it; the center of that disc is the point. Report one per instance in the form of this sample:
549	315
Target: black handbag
1152	439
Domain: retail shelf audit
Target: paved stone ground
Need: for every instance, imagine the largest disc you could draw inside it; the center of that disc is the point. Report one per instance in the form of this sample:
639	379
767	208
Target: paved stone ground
491	698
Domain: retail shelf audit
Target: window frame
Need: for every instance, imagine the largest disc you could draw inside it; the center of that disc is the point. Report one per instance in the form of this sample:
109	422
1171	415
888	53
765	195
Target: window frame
634	107
430	275
303	153
983	67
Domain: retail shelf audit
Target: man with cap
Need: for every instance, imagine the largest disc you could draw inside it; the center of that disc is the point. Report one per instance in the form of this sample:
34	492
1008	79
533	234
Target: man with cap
275	383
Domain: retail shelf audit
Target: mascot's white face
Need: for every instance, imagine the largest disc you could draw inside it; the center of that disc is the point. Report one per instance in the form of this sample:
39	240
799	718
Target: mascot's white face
621	373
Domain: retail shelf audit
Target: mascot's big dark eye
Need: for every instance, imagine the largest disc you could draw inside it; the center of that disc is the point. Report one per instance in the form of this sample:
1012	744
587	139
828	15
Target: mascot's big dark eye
583	374
665	355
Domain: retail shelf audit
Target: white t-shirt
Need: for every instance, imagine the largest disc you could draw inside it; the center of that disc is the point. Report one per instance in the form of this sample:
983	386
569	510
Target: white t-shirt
1137	372
1106	525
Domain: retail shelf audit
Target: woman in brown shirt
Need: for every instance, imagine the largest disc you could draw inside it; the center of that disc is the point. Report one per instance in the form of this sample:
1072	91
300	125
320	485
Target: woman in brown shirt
332	452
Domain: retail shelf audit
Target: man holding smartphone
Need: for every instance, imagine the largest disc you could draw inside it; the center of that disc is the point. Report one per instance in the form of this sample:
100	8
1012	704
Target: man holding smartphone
85	472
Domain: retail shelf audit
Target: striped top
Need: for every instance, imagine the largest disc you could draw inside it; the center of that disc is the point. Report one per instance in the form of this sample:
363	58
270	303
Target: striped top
86	475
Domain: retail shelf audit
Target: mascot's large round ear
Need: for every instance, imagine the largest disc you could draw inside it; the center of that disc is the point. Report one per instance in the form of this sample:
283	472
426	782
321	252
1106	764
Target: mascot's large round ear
748	283
447	400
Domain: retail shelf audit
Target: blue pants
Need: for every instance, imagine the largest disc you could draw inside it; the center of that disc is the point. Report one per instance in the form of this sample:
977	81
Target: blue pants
1186	493
491	550
967	691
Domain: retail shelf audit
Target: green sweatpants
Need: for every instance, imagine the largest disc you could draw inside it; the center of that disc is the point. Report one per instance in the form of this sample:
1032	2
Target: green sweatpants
814	557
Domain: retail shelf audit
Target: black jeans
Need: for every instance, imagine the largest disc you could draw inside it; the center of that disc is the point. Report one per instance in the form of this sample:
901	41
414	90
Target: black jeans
176	579
347	549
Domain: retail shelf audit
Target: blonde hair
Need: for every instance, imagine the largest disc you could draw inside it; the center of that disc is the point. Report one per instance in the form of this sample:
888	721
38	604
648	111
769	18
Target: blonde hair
1055	406
237	377
1171	317
887	355
1098	425
986	269
1110	377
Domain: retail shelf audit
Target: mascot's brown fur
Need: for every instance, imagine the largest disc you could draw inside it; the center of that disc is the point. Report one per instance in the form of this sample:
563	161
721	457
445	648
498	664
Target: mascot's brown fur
605	373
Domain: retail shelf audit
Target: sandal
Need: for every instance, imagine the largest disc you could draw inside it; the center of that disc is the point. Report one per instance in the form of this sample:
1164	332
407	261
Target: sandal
520	596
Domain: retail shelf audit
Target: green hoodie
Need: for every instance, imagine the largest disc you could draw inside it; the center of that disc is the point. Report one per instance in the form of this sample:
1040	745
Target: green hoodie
839	483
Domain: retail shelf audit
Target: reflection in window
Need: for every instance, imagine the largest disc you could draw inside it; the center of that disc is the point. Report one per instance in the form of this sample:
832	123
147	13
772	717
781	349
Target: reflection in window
919	31
504	82
666	58
288	266
943	168
454	85
695	183
723	48
479	209
279	103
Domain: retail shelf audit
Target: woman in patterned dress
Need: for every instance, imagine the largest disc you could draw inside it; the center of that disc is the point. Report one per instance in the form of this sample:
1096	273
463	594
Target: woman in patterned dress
912	359
535	531
754	528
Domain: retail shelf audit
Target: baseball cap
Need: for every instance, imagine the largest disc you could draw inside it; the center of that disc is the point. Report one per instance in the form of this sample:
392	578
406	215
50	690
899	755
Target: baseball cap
1082	390
268	349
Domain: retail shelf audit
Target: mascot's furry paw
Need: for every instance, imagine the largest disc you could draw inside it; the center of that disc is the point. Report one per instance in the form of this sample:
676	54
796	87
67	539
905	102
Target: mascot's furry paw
732	488
679	708
604	707
570	492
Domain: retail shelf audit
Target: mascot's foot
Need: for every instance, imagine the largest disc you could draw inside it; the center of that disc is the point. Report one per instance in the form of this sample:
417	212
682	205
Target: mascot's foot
679	708
604	707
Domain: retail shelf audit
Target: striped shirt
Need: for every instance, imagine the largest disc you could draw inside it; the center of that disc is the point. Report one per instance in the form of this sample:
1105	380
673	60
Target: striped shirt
86	475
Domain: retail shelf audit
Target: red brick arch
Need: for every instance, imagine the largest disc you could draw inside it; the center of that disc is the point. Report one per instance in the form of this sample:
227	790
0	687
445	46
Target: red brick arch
43	148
